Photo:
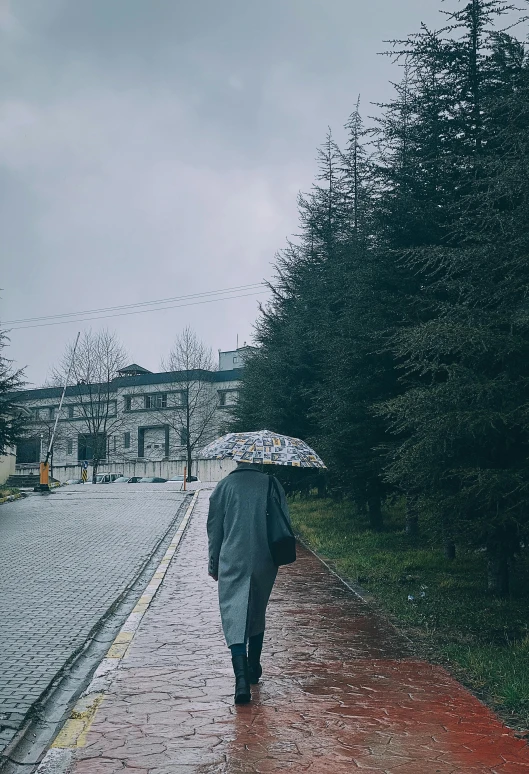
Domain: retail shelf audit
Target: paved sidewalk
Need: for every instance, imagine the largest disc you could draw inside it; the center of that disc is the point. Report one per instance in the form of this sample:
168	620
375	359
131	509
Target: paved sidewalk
340	693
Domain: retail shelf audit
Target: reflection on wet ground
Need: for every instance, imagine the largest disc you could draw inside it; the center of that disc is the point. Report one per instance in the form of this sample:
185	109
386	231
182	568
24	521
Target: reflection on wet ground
341	690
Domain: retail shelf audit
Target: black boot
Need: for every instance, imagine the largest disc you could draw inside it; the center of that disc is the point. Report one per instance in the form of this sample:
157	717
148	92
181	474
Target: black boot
242	680
255	647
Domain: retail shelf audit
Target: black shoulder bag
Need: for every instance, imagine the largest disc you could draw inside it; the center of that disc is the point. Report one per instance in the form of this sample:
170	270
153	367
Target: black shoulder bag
281	539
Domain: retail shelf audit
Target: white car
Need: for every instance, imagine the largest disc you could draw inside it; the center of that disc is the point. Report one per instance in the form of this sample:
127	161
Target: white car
107	478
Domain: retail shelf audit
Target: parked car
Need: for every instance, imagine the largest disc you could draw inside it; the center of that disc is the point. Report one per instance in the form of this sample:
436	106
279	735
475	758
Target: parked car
152	480
72	481
181	478
127	480
107	478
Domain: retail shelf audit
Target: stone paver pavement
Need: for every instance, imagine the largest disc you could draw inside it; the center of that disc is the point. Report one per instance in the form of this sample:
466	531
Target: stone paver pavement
64	559
340	691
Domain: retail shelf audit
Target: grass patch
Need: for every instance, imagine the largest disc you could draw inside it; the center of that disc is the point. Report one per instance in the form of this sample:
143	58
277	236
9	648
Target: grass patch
6	491
450	616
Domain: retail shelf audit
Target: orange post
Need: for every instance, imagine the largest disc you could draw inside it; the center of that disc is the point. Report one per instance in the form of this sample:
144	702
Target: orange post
185	478
44	475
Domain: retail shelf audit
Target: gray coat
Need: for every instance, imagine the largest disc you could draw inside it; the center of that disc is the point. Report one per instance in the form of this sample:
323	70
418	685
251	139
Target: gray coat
238	551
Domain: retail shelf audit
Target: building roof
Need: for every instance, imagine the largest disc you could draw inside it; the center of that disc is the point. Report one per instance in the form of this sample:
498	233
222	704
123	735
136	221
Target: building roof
133	370
130	381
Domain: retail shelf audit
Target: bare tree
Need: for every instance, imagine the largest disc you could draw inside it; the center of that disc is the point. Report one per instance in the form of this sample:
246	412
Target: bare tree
97	360
193	415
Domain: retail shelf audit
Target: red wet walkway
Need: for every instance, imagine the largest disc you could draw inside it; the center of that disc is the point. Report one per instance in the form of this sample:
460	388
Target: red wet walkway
340	692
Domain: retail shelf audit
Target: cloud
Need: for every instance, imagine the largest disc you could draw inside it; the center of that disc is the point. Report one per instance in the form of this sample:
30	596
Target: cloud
156	149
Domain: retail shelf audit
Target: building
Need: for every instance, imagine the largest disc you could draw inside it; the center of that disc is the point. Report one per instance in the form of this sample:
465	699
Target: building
138	423
234	358
7	465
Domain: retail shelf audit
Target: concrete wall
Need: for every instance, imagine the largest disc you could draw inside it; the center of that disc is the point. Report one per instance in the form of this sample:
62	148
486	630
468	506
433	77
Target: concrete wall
7	466
206	470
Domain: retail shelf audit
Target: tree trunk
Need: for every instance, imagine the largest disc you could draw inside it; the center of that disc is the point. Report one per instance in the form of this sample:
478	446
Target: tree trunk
449	547
412	515
374	505
322	486
95	465
188	437
498	575
361	506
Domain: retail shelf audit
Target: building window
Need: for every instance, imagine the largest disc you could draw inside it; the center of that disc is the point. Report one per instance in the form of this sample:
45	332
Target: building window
69	447
92	446
51	411
126	440
115	444
128	403
28	450
35	414
183	436
228	397
180	398
156	401
70	412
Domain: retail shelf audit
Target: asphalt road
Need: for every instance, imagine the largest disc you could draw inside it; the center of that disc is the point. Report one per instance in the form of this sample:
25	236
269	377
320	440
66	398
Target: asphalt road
65	558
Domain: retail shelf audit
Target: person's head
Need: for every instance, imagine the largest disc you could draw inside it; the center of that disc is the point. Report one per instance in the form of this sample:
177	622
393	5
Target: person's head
255	465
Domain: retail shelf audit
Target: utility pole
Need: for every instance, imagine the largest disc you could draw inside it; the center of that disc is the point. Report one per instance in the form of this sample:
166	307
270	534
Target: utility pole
44	485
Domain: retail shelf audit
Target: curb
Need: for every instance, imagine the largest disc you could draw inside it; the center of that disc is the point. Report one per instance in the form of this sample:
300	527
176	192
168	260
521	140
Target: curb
74	732
367	598
11	498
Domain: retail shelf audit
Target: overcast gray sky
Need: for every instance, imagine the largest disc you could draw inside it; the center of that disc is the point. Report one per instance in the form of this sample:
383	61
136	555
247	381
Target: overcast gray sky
154	148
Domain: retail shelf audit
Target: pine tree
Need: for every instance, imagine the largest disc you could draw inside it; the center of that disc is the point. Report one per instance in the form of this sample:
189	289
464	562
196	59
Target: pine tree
354	373
413	262
460	418
11	416
289	357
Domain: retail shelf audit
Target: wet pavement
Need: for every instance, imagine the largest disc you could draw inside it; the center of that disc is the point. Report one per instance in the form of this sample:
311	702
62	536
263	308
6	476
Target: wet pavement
65	559
341	691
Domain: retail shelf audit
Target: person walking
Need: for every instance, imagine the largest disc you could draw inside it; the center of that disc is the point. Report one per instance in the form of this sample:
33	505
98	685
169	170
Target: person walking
240	559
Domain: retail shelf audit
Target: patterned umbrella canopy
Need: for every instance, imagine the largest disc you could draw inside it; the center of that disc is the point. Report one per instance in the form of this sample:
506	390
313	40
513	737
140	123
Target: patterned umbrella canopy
263	447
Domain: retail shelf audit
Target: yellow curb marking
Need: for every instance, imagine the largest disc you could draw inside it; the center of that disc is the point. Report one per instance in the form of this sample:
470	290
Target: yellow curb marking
117	650
124	637
76	728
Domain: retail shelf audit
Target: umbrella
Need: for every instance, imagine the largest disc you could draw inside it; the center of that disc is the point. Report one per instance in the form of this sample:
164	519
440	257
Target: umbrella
263	447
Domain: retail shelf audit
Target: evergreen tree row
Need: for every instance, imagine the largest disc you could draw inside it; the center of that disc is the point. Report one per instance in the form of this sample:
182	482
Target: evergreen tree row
397	337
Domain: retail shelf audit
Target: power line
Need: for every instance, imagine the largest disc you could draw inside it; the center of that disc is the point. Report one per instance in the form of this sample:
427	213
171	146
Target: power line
137	304
138	311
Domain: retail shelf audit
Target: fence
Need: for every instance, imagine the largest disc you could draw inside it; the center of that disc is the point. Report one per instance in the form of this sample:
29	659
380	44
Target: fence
206	470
